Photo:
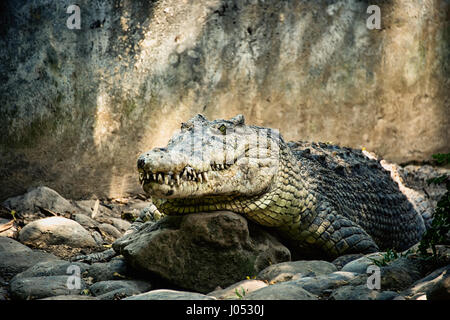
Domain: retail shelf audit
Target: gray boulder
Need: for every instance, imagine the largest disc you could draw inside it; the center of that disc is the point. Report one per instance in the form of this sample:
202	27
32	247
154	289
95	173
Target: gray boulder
164	294
42	287
289	290
361	292
70	297
43	197
133	286
55	231
238	290
115	269
428	285
202	251
286	270
52	268
16	258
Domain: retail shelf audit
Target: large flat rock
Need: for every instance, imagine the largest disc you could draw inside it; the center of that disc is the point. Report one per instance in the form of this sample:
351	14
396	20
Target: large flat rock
202	251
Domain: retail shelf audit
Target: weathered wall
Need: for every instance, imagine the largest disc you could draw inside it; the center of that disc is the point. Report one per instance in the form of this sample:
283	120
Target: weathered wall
78	106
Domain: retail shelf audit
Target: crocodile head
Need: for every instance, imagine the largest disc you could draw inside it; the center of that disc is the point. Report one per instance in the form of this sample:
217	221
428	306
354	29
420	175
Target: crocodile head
208	163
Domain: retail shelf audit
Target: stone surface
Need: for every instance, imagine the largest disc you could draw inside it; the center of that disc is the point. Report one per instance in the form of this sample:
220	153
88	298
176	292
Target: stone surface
318	284
360	265
75	111
43	197
289	290
70	297
12	263
120	224
109	232
163	294
53	268
286	270
84	220
9	245
129	286
115	269
242	288
56	230
202	251
361	292
341	261
400	274
427	284
42	287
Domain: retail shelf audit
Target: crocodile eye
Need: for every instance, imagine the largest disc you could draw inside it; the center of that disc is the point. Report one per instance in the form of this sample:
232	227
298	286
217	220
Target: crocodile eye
223	129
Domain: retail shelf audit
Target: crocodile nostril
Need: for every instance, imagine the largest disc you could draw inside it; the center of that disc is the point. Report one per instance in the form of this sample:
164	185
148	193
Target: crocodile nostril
141	163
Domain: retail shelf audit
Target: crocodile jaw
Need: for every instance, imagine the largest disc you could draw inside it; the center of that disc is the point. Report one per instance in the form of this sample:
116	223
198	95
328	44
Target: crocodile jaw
244	177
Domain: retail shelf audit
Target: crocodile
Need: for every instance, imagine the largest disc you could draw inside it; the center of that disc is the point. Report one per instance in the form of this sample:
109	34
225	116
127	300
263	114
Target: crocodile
322	200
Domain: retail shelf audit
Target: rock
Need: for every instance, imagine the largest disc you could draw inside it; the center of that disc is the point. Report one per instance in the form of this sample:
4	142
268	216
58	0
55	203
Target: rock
85	220
319	284
242	288
108	231
42	287
87	207
70	297
400	274
120	224
286	270
201	251
56	231
53	268
40	197
11	232
289	290
360	265
361	292
441	289
341	261
97	237
112	270
427	284
128	287
163	294
12	263
10	245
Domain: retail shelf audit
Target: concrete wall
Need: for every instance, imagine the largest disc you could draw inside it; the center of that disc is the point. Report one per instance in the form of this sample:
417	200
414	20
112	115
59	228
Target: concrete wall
78	106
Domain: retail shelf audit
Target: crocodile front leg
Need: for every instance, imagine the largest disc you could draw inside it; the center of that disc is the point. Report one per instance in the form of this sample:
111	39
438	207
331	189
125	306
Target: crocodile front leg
326	233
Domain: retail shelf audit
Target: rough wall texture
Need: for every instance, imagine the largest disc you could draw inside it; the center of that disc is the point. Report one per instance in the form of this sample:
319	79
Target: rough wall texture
77	107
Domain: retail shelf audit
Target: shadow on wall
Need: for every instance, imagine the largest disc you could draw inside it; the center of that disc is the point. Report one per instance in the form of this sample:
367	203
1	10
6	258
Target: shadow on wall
79	106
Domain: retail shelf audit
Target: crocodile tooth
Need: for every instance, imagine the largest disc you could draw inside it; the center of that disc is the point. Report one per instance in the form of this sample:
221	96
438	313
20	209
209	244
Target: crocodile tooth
205	176
177	177
166	179
160	177
194	174
148	176
200	177
154	177
141	175
184	174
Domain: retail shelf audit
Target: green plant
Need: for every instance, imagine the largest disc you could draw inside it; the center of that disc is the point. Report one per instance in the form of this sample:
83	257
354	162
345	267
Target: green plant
389	256
240	295
440	226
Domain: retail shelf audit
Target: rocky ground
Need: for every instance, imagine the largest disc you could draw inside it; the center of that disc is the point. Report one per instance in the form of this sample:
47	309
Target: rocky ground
218	255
